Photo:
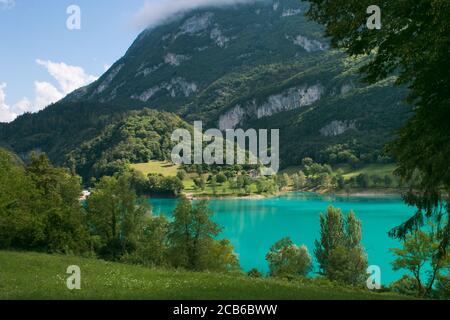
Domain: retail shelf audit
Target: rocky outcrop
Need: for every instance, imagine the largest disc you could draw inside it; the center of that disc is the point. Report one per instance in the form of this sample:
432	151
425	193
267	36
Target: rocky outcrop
108	79
336	128
146	71
196	24
181	86
346	88
290	12
175	59
147	94
232	118
218	37
174	88
308	44
291	99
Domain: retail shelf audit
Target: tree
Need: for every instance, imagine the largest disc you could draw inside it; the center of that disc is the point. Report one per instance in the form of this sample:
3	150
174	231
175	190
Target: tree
288	260
406	285
412	46
181	174
200	183
213	184
266	185
286	180
388	181
191	237
65	226
158	184
363	180
152	245
340	181
339	252
240	183
221	178
281	181
20	225
299	180
116	216
307	162
219	257
324	180
443	287
40	207
377	180
172	185
419	252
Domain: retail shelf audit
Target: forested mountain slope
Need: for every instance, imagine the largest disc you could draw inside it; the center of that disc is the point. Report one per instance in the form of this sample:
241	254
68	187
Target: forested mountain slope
257	65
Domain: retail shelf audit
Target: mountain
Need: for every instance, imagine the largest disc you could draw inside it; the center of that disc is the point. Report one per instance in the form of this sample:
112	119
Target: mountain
260	65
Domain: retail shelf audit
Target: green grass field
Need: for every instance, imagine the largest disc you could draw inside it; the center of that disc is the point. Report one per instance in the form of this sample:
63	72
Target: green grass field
371	169
167	169
42	276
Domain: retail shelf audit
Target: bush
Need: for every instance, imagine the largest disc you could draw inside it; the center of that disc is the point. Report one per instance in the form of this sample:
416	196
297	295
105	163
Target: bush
254	273
443	287
288	260
221	178
406	285
181	174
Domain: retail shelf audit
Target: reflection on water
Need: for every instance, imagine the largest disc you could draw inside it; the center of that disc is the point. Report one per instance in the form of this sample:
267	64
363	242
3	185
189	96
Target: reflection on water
253	226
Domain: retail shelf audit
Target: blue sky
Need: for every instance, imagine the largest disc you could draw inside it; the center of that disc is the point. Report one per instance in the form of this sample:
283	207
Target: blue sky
41	60
36	29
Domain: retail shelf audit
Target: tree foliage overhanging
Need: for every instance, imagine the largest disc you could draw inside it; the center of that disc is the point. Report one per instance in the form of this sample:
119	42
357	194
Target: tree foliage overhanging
413	44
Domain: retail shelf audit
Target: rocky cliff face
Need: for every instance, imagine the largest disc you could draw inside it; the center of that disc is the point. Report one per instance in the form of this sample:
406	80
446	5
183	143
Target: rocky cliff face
291	99
336	128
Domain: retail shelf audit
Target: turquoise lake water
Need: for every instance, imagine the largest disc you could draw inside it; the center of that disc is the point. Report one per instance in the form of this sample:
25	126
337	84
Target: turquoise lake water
253	226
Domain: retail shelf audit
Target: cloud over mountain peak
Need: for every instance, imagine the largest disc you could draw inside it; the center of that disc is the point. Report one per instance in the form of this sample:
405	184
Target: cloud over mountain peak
155	13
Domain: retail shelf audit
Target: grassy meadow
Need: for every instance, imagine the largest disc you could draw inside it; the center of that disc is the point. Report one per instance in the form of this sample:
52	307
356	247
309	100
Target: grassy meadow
43	276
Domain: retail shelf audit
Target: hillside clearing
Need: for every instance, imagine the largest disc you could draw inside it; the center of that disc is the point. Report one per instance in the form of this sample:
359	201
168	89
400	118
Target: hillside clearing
166	168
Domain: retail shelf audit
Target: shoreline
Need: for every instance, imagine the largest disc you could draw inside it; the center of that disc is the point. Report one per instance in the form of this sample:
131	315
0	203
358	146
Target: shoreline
354	193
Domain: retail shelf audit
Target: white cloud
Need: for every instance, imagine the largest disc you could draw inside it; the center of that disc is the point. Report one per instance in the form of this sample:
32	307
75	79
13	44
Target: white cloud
68	78
46	94
22	106
154	13
6	114
7	4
